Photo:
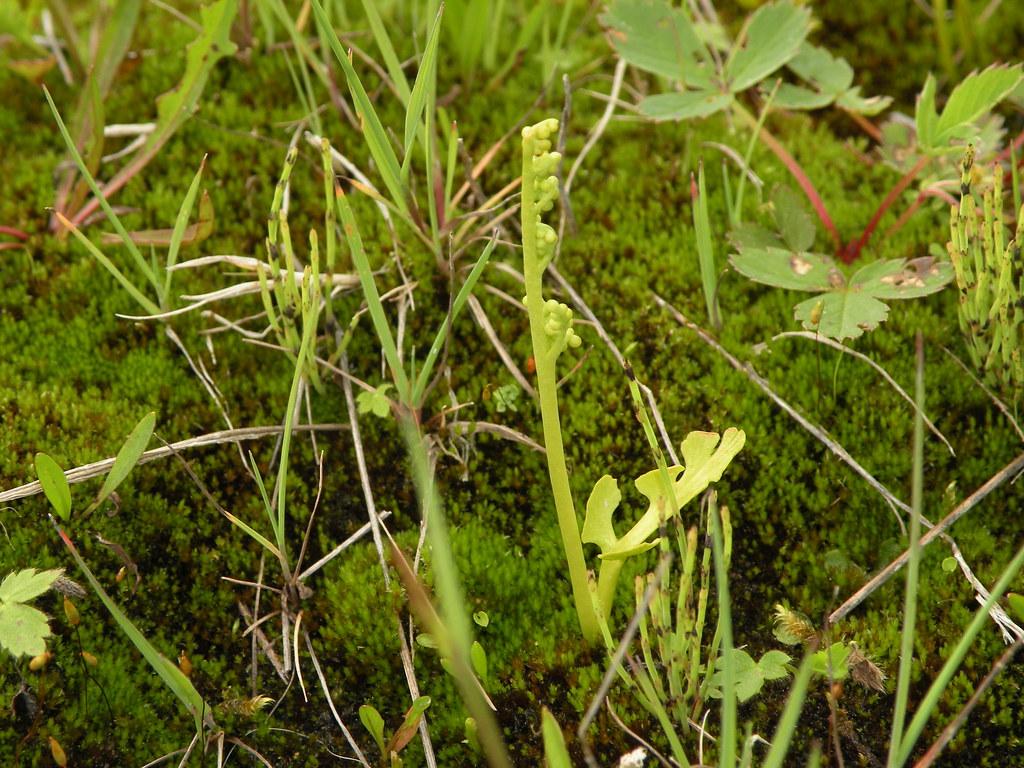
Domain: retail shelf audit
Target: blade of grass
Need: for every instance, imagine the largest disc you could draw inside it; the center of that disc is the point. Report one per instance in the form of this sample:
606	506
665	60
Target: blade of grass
176	105
421	89
267	506
136	255
180	223
373	131
705	251
788	721
145	302
910	598
387	51
131	451
173	677
370	293
443	332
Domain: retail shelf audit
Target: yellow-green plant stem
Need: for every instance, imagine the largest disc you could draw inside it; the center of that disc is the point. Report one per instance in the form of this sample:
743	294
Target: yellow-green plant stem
533	271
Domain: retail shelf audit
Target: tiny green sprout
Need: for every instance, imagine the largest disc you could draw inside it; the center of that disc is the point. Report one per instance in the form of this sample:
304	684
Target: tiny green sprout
481	618
505	398
374	401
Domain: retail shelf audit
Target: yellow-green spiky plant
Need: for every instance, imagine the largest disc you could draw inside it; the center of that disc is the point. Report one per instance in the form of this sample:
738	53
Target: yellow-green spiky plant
990	279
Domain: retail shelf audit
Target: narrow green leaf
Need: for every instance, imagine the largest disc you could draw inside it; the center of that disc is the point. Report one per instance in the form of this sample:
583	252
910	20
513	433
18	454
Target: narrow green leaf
478	658
555	753
427	371
173	677
387	50
410	723
374	723
425	81
55	485
180	224
925	116
126	459
705	250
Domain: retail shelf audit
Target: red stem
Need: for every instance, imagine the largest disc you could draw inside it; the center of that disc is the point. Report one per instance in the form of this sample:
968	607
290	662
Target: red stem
852	251
13	232
805	184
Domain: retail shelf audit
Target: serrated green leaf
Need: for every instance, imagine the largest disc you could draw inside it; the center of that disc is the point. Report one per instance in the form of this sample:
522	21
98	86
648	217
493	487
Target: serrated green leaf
832	662
685	105
773	665
375	401
28	584
852	101
845	309
55	485
374	724
841	315
977	94
792	218
900	279
653	36
830	74
774	34
748	676
126	459
23	629
747	234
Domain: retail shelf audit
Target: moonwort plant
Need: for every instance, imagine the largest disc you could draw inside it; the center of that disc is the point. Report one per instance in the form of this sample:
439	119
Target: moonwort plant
551	333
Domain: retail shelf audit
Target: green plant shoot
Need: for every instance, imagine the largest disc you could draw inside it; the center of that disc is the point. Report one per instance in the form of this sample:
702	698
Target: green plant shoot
551	332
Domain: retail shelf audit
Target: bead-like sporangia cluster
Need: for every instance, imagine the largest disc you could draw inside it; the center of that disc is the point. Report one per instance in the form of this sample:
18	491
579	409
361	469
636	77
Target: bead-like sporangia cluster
540	189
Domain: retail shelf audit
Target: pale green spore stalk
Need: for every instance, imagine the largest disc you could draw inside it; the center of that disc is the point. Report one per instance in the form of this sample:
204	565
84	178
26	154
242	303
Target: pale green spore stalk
551	332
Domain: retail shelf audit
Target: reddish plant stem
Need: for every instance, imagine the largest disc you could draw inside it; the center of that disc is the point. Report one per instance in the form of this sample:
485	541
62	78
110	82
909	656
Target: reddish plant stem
923	195
805	184
13	232
852	251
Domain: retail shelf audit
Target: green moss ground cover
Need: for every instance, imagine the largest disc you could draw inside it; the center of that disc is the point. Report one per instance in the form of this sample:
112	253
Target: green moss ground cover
74	379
